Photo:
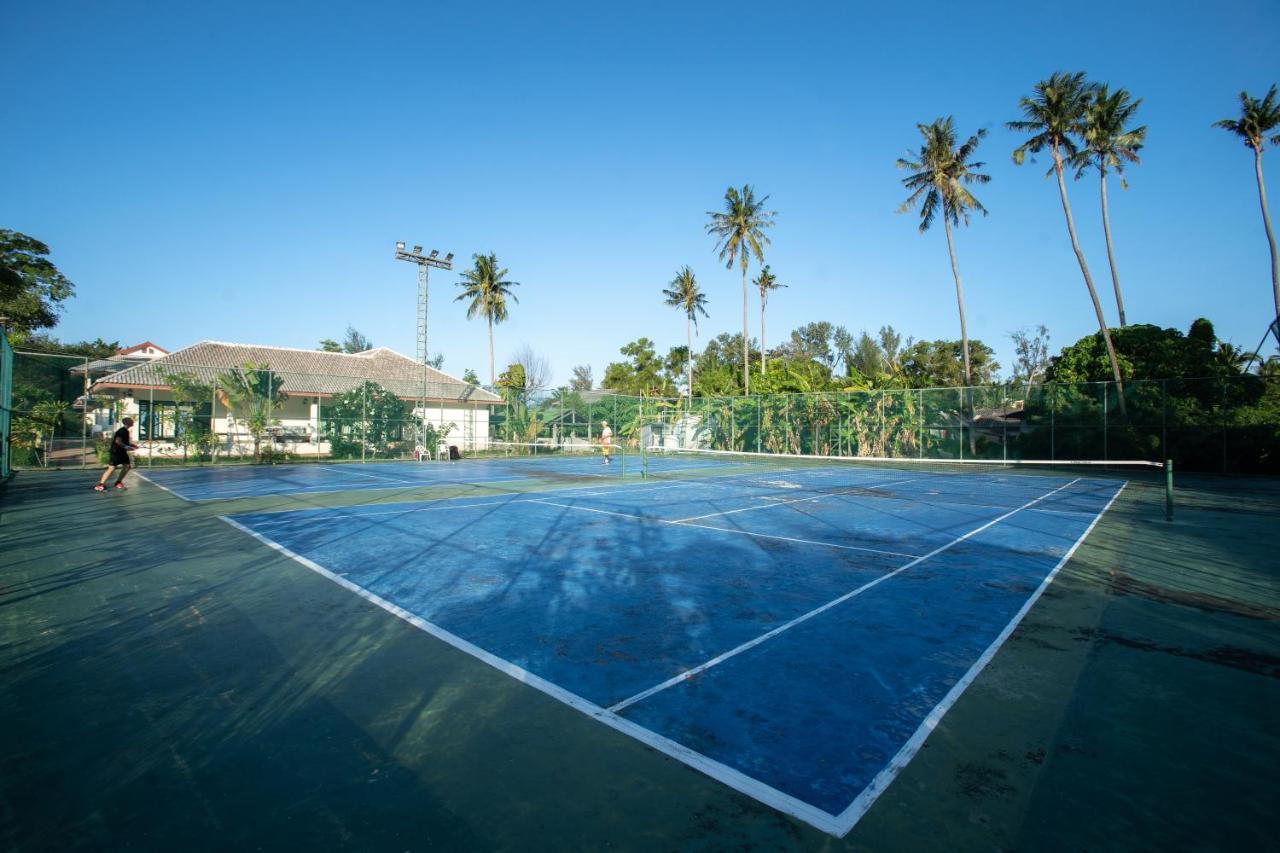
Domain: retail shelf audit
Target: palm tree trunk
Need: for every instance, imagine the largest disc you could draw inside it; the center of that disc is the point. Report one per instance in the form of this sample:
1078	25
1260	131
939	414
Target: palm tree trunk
746	361
1088	279
492	380
1111	255
1266	221
763	352
955	272
688	332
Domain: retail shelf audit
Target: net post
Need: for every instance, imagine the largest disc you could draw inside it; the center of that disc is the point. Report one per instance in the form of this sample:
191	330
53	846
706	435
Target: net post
1168	490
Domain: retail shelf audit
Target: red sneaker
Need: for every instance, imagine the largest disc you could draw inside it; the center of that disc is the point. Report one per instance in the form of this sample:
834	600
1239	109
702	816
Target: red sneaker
121	486
99	488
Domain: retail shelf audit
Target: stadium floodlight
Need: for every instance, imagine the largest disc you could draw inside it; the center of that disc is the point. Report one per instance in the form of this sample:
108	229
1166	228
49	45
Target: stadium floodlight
424	263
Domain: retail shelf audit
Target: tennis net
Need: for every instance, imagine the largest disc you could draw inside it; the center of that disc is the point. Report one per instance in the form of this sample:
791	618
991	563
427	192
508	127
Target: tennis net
823	473
568	454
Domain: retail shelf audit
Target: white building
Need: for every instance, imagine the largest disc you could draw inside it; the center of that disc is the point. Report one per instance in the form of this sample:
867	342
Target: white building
310	379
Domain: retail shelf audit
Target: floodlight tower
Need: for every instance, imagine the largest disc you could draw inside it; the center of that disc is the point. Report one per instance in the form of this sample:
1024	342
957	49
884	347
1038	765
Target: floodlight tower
424	263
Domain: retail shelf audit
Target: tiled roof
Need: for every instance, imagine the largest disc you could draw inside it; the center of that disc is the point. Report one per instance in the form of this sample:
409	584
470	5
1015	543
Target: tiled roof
305	371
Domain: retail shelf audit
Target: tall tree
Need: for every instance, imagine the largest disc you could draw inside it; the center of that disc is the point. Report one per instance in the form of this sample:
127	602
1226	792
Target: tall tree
32	289
739	229
1031	355
765	282
355	342
1258	118
487	288
582	380
537	368
1108	145
938	181
1053	115
685	295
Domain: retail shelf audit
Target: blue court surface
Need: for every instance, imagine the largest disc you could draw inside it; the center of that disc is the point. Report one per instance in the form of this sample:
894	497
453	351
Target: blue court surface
244	481
796	635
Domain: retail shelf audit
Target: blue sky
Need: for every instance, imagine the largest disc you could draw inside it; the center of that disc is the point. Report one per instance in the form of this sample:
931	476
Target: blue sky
241	172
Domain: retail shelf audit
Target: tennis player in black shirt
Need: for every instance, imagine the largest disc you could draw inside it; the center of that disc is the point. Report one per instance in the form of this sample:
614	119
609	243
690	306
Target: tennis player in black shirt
121	444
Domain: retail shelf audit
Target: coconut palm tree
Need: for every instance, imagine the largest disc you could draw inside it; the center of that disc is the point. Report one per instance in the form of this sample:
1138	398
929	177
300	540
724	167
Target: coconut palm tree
684	294
1257	119
1053	115
765	281
938	181
1108	146
740	230
486	286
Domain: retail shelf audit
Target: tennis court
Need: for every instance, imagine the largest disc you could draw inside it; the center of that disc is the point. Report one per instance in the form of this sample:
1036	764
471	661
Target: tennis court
811	639
866	600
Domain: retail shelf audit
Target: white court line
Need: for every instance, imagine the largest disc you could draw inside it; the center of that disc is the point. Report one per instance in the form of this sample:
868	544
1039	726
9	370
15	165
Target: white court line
735	779
837	825
344	470
792	501
797	541
722	529
328	512
721	658
147	479
848	818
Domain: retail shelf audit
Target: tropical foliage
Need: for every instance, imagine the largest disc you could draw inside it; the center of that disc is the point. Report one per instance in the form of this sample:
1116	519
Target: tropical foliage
486	285
367	421
251	393
1054	116
739	231
684	294
32	289
1109	144
939	181
1257	125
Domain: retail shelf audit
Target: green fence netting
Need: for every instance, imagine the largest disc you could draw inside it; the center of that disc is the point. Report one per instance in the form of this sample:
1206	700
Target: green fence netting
6	404
65	407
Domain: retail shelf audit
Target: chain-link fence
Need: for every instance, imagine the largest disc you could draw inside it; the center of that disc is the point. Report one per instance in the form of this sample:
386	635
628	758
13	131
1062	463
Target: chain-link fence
66	409
1213	425
6	404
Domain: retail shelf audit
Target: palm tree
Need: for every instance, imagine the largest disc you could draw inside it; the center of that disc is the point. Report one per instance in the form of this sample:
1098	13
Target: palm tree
1257	119
684	293
939	178
1054	113
765	281
740	229
1108	145
485	285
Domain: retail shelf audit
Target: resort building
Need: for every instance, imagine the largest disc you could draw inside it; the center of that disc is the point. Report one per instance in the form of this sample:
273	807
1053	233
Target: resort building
303	386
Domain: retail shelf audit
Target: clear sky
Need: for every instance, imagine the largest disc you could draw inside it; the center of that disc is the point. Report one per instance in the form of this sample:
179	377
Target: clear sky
241	171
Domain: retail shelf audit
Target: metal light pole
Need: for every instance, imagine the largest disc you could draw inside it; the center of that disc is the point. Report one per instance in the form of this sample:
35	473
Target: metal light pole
424	262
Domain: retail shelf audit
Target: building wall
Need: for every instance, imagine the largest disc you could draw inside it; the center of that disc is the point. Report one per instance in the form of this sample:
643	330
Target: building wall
298	429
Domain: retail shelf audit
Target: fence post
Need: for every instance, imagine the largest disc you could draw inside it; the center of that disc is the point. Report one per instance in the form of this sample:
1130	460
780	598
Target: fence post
759	423
920	425
1053	420
84	422
1224	426
1105	429
1164	419
364	418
